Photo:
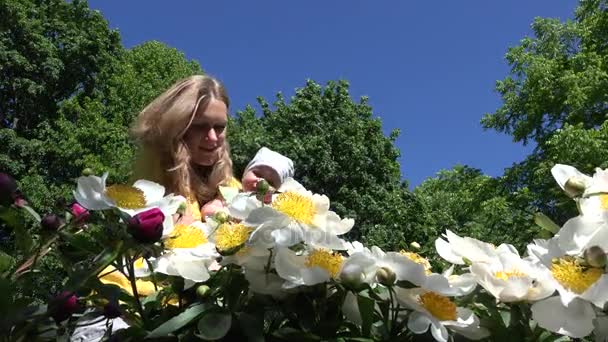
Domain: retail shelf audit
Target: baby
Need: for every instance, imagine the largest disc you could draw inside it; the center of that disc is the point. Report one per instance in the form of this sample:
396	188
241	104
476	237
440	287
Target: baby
267	164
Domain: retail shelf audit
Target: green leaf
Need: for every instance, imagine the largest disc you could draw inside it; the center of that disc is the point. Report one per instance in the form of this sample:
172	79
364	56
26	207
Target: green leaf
10	216
23	239
506	317
178	321
214	325
366	309
252	326
6	261
32	212
545	223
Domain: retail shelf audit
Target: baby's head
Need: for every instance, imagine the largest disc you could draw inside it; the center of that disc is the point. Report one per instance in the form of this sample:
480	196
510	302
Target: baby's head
269	165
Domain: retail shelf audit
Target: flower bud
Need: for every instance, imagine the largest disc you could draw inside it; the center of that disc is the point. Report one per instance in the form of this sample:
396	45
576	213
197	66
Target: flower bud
574	187
19	201
147	226
221	217
386	276
203	291
266	198
8	187
262	187
112	310
88	172
595	256
415	245
63	306
51	222
352	276
181	210
79	212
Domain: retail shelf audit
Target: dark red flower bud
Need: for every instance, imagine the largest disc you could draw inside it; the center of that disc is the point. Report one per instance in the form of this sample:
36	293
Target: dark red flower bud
19	200
147	226
8	187
79	212
51	222
63	306
112	310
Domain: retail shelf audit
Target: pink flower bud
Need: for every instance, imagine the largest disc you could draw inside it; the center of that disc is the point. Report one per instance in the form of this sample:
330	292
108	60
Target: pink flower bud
8	187
147	226
79	212
63	306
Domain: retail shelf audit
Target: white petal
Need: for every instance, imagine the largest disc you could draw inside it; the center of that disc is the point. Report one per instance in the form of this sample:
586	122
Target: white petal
444	249
404	268
153	192
195	270
562	173
264	215
350	309
288	265
576	320
265	283
90	193
439	332
291	184
288	236
577	234
418	322
337	226
242	205
319	238
314	275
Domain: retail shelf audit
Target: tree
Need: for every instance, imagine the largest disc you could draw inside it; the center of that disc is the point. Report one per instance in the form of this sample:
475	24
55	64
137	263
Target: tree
472	204
339	150
556	96
558	77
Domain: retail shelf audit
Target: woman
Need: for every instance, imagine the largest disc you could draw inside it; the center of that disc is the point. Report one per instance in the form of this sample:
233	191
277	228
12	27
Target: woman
182	136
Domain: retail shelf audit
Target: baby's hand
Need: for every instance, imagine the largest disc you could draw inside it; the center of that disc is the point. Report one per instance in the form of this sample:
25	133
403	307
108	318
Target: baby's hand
212	207
254	175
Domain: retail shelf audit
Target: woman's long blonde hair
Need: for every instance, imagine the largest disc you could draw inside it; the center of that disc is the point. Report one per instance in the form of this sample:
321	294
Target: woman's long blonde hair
164	156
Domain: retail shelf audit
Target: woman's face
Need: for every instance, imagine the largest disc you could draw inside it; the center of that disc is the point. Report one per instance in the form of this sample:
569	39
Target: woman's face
206	135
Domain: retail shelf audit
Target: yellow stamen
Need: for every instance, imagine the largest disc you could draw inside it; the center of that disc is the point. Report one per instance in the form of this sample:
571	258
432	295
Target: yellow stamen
506	275
417	258
296	206
184	236
139	263
573	276
229	236
604	201
441	307
126	196
331	262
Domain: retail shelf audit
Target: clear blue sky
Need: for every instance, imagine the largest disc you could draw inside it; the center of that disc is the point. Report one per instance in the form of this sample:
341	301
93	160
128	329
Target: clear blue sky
428	67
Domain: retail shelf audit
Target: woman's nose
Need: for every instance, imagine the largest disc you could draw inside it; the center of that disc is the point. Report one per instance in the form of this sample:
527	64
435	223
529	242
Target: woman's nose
211	136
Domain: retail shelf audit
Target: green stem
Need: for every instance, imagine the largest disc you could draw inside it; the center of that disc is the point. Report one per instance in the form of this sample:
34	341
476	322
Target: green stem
130	269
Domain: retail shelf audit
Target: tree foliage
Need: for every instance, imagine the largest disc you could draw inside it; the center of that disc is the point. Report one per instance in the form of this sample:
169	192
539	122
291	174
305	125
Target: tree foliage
339	149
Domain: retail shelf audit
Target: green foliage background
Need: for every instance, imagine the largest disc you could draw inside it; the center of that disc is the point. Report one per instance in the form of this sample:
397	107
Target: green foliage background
69	91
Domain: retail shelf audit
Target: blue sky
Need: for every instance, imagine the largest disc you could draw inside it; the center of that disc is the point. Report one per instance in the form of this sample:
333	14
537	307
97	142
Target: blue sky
429	68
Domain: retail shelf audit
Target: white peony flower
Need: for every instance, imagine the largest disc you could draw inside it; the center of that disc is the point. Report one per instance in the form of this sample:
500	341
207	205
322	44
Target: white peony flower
574	319
512	279
456	249
435	310
295	215
189	253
